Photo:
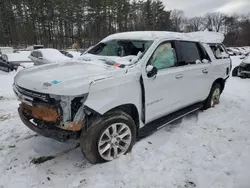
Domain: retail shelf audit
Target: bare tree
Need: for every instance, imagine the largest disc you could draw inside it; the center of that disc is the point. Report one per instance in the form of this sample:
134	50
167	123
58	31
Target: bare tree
214	21
178	20
59	24
208	21
194	24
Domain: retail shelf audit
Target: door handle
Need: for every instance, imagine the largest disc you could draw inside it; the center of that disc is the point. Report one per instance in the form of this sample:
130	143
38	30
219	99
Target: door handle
205	71
179	76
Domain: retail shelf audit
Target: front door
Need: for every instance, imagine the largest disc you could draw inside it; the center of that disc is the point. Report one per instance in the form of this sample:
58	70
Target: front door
163	92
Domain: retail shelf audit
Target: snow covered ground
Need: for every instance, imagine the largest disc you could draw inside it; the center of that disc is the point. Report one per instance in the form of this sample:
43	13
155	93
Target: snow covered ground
208	149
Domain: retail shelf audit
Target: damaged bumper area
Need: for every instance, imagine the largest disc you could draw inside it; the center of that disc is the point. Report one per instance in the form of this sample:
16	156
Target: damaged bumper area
48	131
61	118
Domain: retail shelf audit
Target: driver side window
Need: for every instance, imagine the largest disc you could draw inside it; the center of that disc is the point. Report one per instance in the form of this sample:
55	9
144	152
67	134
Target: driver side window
163	57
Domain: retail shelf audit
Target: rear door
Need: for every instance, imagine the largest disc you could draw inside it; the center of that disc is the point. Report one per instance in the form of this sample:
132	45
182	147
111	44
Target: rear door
196	70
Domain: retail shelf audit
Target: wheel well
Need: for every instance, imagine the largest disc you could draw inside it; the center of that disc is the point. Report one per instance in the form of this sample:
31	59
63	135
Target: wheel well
220	81
131	110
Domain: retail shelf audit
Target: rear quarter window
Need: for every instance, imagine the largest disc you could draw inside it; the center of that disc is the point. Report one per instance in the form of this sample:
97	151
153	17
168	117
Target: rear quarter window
219	51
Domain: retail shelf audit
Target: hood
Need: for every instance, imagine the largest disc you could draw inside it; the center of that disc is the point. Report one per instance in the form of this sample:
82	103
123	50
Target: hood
69	79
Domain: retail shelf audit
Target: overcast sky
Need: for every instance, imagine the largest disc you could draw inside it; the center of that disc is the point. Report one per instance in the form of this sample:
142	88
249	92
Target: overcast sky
200	7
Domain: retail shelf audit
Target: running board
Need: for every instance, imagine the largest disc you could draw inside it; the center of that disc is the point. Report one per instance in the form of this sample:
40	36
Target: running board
162	122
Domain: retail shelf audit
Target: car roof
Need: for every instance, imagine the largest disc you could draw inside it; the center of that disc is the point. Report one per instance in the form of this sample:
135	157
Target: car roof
46	50
203	36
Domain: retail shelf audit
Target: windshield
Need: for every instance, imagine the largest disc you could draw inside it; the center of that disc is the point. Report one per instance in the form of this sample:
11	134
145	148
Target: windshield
121	48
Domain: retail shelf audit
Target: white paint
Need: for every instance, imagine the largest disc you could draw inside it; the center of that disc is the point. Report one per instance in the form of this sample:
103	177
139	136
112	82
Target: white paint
171	89
75	54
197	149
118	90
167	93
48	56
74	78
6	50
201	36
19	56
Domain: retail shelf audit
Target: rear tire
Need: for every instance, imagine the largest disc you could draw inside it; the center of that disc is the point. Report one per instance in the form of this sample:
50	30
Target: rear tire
235	71
214	97
104	140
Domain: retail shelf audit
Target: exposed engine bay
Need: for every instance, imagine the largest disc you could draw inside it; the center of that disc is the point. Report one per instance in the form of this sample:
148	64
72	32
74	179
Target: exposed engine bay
63	112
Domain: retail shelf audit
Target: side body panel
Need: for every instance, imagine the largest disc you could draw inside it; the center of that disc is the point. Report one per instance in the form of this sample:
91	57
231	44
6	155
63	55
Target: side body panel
109	93
197	81
163	94
220	67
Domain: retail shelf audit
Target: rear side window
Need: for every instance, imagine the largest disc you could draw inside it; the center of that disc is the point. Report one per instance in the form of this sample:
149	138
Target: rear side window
188	53
34	54
219	51
39	54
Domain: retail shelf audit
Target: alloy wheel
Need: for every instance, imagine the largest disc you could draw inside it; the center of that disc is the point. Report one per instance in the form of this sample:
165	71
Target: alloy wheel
215	97
114	141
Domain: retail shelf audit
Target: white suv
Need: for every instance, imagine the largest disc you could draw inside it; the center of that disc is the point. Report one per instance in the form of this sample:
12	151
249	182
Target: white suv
126	87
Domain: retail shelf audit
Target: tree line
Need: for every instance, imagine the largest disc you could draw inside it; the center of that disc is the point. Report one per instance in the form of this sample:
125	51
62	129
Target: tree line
59	24
235	27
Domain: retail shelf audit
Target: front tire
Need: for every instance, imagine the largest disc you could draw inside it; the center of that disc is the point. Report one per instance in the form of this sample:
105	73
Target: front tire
214	97
108	137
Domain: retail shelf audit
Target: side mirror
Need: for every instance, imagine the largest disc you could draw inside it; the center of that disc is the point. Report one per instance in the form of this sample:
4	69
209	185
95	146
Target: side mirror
151	71
41	58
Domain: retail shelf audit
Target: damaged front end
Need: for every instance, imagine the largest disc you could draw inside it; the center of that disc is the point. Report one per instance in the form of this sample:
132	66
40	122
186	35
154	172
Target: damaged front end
58	117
